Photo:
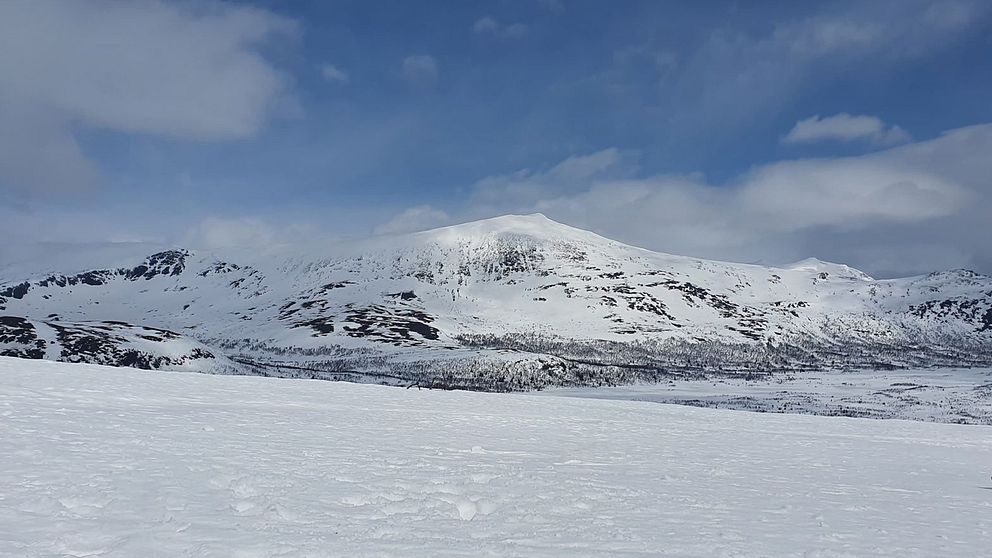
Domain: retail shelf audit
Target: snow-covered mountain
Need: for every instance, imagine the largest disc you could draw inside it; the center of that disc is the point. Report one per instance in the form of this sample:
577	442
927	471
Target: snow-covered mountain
505	303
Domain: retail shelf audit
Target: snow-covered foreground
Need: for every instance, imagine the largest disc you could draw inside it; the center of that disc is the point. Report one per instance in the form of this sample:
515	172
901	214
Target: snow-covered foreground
100	461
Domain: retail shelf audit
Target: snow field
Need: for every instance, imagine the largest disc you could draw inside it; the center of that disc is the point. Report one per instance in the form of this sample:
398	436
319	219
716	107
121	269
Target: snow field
98	461
959	395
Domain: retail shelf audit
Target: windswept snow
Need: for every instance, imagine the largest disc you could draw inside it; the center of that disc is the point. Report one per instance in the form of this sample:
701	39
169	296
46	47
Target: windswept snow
100	461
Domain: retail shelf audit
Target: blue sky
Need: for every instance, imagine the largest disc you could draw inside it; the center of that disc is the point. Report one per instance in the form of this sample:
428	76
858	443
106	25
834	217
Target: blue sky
735	130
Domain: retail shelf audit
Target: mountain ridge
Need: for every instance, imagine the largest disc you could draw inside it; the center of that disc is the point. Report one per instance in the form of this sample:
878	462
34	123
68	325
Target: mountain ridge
511	302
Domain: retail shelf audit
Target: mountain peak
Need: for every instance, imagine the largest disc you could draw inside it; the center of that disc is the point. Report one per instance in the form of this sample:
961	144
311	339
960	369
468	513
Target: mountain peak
515	220
533	224
818	265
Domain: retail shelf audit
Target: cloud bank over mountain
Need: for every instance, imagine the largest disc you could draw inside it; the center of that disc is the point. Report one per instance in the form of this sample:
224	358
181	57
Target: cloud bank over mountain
902	210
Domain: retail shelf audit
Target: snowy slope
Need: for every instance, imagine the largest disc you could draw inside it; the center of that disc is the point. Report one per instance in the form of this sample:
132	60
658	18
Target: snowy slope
513	302
108	342
120	463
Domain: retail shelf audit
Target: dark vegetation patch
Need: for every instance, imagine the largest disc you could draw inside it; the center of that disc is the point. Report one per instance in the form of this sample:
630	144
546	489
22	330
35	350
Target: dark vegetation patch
19	338
976	311
398	326
321	326
790	307
106	343
219	268
335	285
751	322
17	291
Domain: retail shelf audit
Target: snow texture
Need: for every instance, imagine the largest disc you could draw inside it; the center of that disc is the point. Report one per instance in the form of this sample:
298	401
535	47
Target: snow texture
936	395
109	462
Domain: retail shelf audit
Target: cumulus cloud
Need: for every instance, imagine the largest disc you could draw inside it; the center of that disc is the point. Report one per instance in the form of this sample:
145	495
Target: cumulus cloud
177	70
922	201
333	74
845	127
420	71
489	25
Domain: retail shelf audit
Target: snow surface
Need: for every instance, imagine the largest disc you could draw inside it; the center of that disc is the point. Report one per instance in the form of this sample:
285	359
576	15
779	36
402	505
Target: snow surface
100	461
961	395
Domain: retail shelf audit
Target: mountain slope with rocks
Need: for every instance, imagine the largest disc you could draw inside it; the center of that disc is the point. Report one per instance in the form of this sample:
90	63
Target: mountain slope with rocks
513	302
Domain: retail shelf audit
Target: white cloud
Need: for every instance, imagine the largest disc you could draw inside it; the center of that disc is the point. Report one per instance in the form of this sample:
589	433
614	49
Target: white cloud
216	233
419	218
515	30
219	233
489	25
485	24
420	70
22	228
26	229
842	193
924	200
334	74
179	70
528	186
37	152
845	127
